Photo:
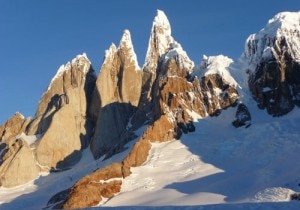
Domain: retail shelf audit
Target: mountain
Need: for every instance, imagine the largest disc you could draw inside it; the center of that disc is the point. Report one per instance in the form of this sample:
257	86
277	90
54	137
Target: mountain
274	54
169	133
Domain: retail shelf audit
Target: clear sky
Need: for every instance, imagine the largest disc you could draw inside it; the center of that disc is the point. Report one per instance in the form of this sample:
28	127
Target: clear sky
36	37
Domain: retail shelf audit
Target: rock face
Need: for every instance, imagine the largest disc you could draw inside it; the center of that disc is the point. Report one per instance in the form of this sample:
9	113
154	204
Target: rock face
274	55
61	118
19	165
116	95
16	157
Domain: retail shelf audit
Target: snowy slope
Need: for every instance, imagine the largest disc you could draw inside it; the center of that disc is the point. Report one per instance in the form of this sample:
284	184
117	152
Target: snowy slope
228	166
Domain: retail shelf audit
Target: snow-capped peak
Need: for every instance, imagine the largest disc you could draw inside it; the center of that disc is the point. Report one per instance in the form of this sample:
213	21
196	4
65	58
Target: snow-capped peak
283	25
162	22
160	37
126	40
161	43
216	65
126	43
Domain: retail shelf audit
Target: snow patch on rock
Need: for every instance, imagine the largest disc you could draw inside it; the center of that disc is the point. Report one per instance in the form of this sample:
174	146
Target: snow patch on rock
216	65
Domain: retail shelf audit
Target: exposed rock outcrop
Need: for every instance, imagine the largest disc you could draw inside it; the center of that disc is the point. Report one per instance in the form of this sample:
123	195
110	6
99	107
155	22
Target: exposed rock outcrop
242	116
61	118
273	55
13	127
17	163
89	191
116	96
218	87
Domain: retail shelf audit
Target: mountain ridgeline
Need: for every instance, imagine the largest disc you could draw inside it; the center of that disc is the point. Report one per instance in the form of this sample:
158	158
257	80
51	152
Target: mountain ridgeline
80	110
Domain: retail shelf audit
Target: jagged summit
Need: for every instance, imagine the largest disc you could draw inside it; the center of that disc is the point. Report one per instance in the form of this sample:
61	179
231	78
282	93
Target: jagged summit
81	62
161	43
117	92
283	26
160	39
126	48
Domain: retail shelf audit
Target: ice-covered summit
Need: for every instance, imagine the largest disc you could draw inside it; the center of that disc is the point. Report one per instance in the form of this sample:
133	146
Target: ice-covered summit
283	28
160	38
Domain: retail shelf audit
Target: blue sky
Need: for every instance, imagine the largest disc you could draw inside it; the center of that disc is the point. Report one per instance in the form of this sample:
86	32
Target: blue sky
36	37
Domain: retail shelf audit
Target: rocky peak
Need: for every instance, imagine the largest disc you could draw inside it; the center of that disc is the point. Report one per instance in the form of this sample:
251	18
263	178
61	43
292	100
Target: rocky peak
162	50
17	165
126	47
116	95
109	54
61	117
74	74
13	127
160	40
273	55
